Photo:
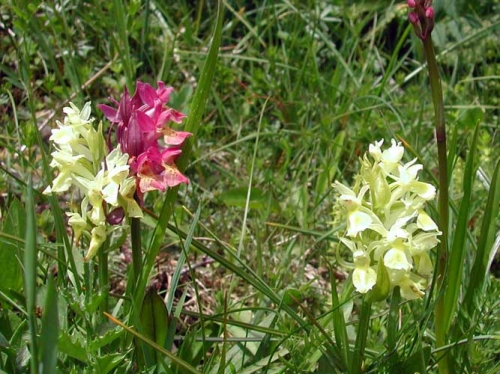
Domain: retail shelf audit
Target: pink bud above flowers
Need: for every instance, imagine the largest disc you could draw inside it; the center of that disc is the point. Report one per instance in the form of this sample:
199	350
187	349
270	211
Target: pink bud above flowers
421	17
142	120
413	18
429	13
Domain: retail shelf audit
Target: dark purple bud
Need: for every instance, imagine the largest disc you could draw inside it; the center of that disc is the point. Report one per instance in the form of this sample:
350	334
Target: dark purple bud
116	216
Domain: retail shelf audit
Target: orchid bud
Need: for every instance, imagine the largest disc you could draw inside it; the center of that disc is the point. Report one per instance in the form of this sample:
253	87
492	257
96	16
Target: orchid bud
429	13
413	18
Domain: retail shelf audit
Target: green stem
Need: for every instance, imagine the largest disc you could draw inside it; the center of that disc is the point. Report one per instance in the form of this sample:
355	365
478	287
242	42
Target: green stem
363	327
135	229
104	275
437	99
392	327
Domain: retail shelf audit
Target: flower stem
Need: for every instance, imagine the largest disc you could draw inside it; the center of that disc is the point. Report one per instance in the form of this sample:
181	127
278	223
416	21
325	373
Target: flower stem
104	274
437	99
135	228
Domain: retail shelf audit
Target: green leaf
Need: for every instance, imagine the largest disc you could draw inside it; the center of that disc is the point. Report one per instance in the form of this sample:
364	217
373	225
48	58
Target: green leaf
4	343
358	353
417	362
292	297
50	330
154	322
30	275
73	345
485	247
181	261
175	360
179	99
106	337
107	363
339	325
470	118
458	246
194	350
10	270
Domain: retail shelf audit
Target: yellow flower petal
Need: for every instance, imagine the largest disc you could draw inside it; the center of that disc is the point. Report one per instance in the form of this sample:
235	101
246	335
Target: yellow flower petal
396	259
358	222
364	279
98	237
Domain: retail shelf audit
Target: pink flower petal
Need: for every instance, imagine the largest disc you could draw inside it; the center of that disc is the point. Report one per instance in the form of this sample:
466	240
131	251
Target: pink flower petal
145	122
150	183
169	155
109	112
173	177
164	92
147	94
172	137
170	115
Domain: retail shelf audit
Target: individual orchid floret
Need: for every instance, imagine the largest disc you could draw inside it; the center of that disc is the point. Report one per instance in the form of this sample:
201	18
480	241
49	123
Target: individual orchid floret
141	121
98	237
396	258
386	224
157	170
363	276
391	157
375	150
359	219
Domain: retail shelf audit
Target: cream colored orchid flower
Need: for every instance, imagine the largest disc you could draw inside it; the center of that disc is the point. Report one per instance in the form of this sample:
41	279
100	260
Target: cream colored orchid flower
391	157
82	160
98	237
359	218
386	221
127	190
363	277
375	151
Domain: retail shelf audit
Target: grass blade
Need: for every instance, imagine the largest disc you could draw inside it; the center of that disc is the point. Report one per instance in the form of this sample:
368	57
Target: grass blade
457	252
50	330
30	262
486	240
339	325
177	361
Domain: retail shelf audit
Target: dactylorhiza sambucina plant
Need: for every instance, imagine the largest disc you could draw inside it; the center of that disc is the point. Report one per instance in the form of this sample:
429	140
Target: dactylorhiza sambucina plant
113	179
387	226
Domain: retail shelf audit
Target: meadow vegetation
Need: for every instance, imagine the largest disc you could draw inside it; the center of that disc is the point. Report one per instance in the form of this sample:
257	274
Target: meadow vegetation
242	270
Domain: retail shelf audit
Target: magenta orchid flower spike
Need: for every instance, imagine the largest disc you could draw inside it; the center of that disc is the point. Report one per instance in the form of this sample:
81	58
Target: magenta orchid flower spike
142	120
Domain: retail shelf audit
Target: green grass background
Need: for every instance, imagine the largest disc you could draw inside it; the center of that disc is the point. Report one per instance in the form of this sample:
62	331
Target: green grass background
300	89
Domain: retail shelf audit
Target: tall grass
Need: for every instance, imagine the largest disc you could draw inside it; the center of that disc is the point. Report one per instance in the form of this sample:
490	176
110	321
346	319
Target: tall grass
283	98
